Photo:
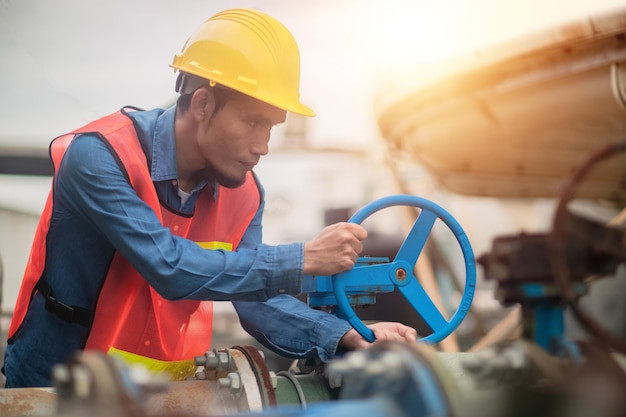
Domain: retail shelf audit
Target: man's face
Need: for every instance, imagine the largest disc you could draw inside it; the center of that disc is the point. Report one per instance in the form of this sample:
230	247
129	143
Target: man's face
236	136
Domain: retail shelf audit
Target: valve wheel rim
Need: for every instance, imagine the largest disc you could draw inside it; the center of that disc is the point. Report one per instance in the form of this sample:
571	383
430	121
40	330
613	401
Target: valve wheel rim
418	235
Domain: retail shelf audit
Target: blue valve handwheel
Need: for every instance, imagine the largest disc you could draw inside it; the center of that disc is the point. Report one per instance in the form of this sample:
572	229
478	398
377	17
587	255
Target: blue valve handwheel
400	272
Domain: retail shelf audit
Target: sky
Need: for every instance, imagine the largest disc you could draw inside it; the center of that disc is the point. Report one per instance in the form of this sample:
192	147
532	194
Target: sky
66	62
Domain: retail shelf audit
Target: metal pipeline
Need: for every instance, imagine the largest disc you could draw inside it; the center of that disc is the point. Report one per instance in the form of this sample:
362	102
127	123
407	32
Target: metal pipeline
390	378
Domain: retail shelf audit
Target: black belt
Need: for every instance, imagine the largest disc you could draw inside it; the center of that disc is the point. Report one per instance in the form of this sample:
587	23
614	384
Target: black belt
71	314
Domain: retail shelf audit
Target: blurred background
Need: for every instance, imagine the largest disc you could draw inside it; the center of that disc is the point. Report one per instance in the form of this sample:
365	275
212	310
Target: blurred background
393	116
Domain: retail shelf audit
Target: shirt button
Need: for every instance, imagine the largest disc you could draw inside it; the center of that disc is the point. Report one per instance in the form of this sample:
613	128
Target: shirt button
175	228
174	182
146	343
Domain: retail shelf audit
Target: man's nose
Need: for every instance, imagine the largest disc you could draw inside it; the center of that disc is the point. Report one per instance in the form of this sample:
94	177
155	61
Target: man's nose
260	146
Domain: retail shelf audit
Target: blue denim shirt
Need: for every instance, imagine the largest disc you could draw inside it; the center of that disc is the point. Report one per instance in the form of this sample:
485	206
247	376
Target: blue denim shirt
96	213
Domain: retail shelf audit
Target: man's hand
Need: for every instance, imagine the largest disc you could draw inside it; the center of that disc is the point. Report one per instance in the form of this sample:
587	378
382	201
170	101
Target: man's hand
335	249
383	331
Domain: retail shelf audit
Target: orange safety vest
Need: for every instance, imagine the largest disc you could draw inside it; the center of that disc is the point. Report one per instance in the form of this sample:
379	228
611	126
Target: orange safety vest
130	316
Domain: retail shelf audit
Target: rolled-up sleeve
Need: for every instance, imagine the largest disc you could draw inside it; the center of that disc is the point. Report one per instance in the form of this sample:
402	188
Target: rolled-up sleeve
291	328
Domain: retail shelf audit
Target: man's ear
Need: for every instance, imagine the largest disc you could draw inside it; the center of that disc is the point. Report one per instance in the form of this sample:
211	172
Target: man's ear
202	103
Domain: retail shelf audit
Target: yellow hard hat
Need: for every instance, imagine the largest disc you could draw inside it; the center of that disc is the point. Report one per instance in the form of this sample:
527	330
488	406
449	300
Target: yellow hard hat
248	51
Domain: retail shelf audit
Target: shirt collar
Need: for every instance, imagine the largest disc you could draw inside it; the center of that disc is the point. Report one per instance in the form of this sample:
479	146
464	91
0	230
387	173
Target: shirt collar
164	147
158	129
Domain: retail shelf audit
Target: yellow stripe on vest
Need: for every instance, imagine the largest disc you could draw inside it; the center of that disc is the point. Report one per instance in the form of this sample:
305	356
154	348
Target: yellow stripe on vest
177	370
216	245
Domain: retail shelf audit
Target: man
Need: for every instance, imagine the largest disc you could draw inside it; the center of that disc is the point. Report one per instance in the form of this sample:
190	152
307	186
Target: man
154	213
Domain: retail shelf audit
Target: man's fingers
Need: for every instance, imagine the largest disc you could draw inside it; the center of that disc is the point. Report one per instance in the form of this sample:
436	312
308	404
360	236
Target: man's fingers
393	331
335	249
357	230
